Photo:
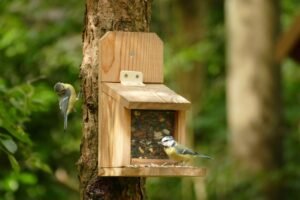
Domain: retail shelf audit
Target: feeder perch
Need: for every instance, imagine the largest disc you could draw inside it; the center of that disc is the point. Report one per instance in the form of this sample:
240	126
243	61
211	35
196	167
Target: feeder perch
136	109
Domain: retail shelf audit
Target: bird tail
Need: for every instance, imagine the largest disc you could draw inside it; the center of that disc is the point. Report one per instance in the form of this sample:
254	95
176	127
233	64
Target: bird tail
65	122
204	156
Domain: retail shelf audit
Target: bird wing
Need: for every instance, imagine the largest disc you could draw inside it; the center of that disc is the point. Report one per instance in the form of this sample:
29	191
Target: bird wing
184	150
64	102
180	149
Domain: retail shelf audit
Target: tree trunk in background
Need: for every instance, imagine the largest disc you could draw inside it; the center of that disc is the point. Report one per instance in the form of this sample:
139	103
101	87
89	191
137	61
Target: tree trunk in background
190	82
190	30
102	16
253	89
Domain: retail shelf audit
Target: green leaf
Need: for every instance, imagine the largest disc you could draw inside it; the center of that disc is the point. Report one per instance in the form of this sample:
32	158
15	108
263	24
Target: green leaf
17	132
21	135
10	184
9	145
14	163
35	162
28	178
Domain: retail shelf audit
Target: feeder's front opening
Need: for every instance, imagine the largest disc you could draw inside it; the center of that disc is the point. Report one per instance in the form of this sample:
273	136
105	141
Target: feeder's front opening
147	129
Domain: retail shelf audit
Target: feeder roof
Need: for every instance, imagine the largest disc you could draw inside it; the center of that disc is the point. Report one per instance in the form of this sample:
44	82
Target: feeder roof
150	96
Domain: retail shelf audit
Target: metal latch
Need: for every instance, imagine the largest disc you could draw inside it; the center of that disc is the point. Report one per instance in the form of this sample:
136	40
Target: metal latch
131	78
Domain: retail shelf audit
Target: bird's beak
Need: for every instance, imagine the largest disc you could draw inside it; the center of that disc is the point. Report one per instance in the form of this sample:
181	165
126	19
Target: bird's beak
159	142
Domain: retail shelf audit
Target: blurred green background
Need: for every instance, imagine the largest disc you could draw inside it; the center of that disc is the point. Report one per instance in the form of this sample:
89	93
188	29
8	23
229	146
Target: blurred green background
40	44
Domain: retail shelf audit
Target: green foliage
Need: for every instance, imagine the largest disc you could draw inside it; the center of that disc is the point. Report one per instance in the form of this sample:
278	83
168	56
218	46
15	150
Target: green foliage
15	108
170	188
210	125
40	44
290	9
291	85
17	104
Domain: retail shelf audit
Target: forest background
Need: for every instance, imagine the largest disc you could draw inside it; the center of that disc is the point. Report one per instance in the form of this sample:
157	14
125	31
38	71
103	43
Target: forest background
41	44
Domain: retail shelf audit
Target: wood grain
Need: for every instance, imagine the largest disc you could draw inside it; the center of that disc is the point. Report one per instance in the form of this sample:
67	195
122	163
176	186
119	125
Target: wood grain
114	140
150	96
138	161
134	51
153	171
138	52
180	127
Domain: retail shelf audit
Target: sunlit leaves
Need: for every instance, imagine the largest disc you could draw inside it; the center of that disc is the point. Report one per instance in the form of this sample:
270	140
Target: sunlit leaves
13	39
290	10
209	52
34	161
40	44
14	163
12	181
16	106
9	145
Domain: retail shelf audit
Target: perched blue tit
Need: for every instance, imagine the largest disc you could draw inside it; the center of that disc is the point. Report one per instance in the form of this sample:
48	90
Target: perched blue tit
67	99
179	152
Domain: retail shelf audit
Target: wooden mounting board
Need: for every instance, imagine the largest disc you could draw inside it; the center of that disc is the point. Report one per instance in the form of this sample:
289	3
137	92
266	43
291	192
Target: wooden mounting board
171	171
150	96
114	133
134	51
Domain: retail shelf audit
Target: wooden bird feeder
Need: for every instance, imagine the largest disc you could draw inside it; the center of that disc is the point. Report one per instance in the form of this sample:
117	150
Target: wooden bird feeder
136	110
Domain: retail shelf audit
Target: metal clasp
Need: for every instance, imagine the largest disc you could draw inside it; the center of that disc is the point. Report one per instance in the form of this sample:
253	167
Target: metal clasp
131	78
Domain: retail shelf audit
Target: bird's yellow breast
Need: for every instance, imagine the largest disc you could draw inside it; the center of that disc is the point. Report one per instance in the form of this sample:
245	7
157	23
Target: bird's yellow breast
171	152
72	99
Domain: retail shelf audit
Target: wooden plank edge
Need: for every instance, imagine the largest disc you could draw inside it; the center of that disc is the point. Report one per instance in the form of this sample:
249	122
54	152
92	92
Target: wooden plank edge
144	105
162	171
157	106
146	161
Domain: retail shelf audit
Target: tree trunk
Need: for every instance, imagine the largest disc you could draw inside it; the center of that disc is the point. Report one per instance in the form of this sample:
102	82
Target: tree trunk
253	88
102	16
191	18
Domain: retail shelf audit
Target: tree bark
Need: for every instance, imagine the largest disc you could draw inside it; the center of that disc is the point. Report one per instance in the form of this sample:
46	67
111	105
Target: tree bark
102	16
253	88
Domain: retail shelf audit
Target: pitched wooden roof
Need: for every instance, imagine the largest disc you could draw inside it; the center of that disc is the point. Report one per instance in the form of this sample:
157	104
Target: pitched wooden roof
150	96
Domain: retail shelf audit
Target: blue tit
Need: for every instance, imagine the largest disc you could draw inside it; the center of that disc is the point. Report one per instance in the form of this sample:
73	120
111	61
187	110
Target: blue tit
179	152
67	99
